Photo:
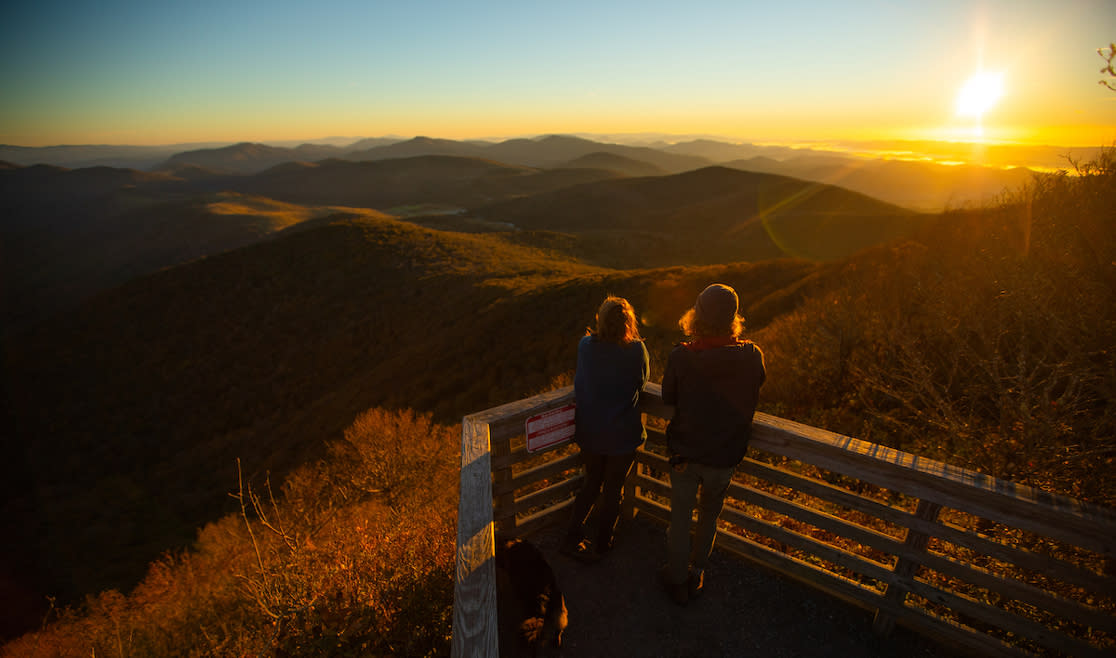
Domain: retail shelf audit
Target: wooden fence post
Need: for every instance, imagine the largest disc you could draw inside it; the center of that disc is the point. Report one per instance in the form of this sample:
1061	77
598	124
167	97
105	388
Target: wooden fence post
504	527
474	591
631	490
884	623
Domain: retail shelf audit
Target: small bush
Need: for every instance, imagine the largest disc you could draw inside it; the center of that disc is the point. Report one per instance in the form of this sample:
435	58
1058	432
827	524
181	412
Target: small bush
354	556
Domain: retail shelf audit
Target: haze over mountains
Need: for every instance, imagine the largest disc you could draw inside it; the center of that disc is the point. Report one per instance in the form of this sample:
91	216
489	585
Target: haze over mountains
909	177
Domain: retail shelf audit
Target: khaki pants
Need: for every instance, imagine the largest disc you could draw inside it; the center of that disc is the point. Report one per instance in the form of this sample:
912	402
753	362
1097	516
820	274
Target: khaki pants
684	485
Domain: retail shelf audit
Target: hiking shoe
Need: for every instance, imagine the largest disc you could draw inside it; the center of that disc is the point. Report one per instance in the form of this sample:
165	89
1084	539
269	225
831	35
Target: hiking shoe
696	582
678	592
569	546
582	552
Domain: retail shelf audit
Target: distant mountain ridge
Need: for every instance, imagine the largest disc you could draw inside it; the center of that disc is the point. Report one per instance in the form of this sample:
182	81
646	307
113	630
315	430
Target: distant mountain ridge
926	185
248	157
92	155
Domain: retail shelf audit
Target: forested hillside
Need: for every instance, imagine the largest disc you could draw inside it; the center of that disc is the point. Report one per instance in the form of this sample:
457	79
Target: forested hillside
983	338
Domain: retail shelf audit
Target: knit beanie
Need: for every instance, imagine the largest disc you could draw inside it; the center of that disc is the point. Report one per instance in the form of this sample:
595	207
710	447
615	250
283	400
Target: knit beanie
717	305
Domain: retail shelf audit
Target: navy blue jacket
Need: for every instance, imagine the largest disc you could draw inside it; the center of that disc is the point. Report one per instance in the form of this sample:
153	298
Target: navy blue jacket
607	385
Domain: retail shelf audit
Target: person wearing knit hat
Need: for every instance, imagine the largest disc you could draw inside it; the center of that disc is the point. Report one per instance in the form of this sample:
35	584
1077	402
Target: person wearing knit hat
713	381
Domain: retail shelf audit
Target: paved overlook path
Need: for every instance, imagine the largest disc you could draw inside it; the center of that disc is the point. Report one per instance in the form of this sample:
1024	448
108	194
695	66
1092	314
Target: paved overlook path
616	608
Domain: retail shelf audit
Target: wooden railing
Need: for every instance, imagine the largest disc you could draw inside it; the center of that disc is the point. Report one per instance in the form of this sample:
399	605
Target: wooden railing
983	564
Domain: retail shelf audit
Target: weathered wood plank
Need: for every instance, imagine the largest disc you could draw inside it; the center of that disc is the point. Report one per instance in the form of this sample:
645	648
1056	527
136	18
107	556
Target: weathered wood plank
1013	589
1057	517
654	485
1045	564
651	402
951	633
838	526
541	498
907	566
807	544
1002	619
509	420
501	475
474	591
824	491
521	410
538	473
557	513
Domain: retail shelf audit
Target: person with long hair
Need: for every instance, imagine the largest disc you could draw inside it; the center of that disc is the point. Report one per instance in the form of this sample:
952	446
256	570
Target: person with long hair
612	368
713	381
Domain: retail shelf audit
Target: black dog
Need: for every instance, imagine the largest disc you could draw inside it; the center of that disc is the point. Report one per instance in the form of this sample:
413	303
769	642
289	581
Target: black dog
530	606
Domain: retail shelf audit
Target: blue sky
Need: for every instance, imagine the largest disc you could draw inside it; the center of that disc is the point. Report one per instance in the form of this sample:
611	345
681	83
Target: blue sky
166	72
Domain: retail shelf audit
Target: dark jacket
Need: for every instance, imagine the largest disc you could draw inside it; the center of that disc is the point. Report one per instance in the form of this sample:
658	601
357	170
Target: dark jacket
714	389
607	384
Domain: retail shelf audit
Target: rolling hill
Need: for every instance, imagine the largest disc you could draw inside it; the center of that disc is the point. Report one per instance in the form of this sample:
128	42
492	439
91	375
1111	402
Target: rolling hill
128	414
248	158
68	234
385	184
708	216
614	162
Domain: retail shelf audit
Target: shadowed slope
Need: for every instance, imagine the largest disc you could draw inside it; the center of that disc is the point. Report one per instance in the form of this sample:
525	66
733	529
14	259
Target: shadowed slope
67	234
384	184
710	215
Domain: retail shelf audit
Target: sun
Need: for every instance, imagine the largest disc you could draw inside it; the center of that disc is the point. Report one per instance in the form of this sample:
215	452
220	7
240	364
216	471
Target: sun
979	94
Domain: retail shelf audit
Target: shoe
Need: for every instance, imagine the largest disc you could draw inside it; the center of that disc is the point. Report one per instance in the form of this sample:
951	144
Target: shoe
582	552
603	546
678	592
696	582
569	546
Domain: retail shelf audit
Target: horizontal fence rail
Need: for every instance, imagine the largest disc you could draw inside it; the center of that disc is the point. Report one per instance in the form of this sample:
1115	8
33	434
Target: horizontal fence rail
984	564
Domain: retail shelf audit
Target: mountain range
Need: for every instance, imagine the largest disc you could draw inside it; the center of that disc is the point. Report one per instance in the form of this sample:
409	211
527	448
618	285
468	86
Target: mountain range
68	234
908	176
160	325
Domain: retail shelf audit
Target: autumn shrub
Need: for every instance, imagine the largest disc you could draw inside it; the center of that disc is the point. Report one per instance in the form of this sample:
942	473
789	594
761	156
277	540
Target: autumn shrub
987	342
353	555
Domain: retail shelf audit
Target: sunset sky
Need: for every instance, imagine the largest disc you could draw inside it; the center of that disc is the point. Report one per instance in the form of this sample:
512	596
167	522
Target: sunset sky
153	72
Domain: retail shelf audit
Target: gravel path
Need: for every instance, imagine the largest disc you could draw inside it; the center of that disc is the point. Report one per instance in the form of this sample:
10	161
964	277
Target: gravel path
616	608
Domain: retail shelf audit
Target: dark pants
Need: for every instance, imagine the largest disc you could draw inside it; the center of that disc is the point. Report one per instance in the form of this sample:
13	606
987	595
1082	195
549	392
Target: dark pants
685	482
604	488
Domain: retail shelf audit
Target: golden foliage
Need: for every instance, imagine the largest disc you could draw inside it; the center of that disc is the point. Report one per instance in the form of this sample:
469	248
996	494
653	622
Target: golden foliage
985	343
354	557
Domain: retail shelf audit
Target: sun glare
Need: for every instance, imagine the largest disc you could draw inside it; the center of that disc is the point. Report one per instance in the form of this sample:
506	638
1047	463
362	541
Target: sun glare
979	94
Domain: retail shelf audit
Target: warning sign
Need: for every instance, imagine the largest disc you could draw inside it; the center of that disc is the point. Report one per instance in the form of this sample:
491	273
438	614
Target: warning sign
550	428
